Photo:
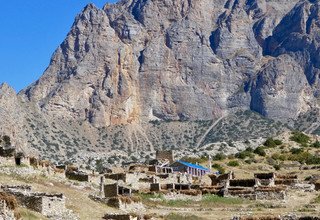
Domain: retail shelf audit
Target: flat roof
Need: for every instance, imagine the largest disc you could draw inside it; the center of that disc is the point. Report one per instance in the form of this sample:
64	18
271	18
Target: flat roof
192	165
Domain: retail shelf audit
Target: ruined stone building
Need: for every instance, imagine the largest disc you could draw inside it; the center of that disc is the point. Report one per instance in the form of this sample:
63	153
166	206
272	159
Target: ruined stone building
189	168
44	203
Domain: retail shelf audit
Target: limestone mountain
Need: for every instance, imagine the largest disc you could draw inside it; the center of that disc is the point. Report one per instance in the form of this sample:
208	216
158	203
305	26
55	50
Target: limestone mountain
146	74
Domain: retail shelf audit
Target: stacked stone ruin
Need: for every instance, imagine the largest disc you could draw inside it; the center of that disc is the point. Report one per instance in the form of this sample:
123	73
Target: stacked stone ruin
6	208
261	187
47	204
286	179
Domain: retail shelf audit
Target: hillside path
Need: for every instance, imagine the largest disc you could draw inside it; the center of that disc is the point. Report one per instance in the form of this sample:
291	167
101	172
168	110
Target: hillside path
209	129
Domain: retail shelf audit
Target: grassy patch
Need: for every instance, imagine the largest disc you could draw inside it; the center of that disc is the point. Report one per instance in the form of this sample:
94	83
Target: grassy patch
147	197
219	168
179	203
30	215
213	199
317	200
175	216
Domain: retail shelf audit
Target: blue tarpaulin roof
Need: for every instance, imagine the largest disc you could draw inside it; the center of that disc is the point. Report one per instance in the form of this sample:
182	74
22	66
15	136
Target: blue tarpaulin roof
192	165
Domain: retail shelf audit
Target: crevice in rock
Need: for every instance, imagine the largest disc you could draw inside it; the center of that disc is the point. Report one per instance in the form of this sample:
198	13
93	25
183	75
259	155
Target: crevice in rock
168	41
136	8
213	39
141	60
120	79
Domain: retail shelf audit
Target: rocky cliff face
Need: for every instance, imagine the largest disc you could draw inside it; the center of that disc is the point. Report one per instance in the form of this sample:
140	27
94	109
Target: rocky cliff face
186	60
136	61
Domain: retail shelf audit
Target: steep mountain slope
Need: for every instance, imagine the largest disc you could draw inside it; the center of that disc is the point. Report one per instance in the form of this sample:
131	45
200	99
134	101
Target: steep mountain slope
146	74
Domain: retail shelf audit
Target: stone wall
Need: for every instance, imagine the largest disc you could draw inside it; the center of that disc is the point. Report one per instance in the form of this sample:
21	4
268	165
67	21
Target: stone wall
270	194
46	204
5	212
119	217
53	205
127	204
317	186
165	155
111	190
78	176
242	182
155	187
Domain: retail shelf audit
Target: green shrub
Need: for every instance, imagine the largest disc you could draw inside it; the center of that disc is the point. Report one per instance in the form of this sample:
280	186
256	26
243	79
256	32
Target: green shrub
305	157
270	143
260	151
300	138
219	156
277	167
317	200
296	150
278	142
243	154
233	163
249	149
219	168
315	144
275	156
313	160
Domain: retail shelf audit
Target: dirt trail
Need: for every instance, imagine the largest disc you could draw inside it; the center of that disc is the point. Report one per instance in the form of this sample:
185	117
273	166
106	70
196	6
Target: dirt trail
209	129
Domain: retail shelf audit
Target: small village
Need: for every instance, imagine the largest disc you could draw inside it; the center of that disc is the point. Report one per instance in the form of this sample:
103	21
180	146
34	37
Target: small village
165	177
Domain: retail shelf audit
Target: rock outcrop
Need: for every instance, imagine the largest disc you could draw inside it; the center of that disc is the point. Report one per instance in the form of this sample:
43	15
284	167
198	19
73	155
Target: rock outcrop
141	61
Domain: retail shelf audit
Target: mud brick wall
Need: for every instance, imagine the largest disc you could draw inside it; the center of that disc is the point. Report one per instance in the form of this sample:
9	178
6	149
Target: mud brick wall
119	217
317	186
116	176
243	182
77	176
155	187
287	182
111	190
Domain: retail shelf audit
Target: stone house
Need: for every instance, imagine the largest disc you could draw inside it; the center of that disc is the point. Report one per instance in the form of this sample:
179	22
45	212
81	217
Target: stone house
114	190
78	176
189	168
44	203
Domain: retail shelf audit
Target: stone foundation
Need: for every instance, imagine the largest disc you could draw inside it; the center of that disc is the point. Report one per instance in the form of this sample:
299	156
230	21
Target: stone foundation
119	217
114	190
78	176
127	204
46	204
6	209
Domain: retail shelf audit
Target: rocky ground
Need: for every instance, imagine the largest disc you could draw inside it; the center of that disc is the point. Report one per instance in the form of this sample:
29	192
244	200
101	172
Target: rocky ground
280	155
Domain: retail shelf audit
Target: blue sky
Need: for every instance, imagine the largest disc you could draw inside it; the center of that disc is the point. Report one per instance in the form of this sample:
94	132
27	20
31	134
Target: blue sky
30	32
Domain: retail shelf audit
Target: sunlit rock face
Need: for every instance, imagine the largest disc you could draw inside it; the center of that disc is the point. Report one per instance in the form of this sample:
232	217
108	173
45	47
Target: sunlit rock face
185	60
